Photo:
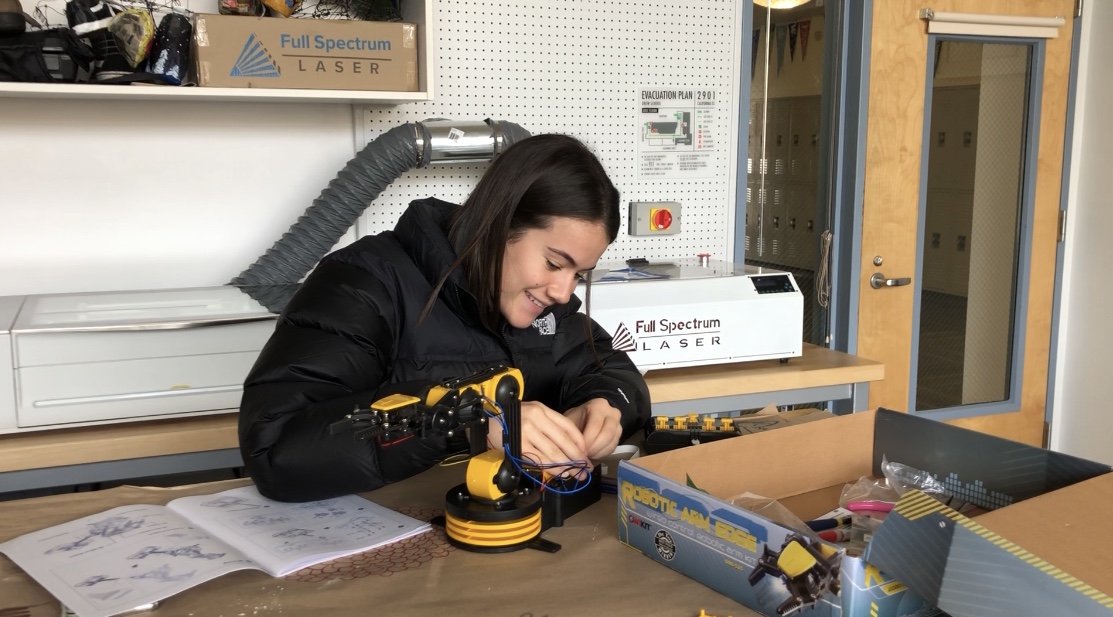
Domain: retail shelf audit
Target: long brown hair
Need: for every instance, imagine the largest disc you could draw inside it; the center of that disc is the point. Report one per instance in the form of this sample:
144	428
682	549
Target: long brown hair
534	181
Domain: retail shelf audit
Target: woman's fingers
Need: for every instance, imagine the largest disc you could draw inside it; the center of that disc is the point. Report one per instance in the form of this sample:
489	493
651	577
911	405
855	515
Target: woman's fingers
556	435
550	438
588	432
602	428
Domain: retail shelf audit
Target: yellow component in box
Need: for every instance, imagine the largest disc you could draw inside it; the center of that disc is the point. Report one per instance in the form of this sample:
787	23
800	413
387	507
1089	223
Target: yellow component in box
795	560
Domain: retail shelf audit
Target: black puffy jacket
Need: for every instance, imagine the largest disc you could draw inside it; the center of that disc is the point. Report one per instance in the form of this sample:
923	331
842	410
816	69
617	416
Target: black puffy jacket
352	330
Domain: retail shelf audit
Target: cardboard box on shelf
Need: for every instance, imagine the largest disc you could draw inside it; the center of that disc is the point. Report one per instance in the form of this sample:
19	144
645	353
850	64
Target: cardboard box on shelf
769	418
675	508
235	51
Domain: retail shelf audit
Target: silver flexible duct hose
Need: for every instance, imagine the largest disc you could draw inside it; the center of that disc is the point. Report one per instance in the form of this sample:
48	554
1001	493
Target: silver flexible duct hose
360	182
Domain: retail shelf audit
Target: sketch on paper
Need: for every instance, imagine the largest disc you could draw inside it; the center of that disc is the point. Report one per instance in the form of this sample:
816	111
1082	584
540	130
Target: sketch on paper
163	574
321	509
193	552
366	524
145	564
110	597
107	528
292	533
105	563
304	542
331	512
230	502
96	579
261	520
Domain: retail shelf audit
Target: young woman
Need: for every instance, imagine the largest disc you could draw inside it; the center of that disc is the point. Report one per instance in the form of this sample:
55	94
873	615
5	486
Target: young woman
450	291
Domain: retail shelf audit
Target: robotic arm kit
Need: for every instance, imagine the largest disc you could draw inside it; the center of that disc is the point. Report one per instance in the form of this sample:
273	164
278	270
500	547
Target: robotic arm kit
507	501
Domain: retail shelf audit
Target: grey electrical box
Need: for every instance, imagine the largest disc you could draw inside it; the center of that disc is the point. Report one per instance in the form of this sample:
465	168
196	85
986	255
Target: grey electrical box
654	218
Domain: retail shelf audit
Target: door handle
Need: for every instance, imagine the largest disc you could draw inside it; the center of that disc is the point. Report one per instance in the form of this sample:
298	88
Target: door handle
878	280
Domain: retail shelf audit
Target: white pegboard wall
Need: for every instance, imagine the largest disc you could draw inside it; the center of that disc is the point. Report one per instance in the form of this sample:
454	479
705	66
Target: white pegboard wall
578	68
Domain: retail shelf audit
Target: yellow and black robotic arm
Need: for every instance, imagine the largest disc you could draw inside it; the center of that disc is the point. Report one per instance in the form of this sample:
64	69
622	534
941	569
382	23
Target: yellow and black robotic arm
497	509
445	407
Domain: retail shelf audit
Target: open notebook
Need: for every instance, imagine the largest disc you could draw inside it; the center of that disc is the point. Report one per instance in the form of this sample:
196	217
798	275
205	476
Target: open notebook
134	555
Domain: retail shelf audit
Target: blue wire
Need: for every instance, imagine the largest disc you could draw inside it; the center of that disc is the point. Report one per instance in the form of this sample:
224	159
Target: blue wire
581	465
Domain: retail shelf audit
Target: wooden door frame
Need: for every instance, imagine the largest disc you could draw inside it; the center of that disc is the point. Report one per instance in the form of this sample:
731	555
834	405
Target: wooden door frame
848	171
847	266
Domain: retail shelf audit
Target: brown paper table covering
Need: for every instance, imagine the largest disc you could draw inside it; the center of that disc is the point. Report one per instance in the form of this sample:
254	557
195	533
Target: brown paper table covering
593	574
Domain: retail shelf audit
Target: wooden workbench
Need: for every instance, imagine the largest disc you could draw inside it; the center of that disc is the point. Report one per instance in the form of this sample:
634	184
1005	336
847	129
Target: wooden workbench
142	449
593	573
820	374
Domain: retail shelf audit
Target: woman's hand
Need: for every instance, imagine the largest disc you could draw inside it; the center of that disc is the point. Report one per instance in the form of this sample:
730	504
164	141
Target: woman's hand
600	426
547	437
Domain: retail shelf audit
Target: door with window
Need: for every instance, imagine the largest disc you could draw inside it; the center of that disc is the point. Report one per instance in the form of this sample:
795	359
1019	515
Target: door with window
961	199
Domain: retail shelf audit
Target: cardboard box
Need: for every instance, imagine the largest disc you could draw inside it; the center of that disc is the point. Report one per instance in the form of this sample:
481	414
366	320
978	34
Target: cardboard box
769	418
236	51
924	555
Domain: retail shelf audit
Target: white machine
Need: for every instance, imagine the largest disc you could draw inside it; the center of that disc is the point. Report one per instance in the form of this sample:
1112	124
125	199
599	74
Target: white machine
693	312
92	358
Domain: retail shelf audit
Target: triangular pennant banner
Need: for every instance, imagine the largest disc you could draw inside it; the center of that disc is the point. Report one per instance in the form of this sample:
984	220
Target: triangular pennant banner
782	36
792	41
805	27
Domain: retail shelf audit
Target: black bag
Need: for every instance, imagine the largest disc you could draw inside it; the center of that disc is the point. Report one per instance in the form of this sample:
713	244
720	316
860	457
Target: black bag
45	56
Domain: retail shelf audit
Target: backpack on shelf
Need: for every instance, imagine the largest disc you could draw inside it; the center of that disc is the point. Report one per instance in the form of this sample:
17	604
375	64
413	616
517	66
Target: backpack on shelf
52	55
45	56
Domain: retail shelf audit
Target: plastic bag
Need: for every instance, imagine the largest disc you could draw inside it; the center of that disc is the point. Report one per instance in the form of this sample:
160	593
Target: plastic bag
862	529
868	489
772	510
903	478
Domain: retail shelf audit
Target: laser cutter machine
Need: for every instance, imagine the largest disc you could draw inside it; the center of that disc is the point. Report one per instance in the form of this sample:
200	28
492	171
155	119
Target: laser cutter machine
692	312
78	359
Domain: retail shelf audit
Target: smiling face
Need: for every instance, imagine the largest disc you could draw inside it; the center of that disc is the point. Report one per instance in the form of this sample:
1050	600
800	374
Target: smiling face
542	266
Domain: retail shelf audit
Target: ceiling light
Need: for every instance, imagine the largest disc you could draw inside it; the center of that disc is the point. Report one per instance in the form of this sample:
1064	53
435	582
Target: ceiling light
781	4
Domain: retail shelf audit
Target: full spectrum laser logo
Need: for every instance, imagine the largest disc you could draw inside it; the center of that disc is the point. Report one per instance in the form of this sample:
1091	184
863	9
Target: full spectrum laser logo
659	334
623	341
255	61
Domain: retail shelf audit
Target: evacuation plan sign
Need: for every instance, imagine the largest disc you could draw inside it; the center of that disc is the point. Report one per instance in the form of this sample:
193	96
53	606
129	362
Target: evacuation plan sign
675	133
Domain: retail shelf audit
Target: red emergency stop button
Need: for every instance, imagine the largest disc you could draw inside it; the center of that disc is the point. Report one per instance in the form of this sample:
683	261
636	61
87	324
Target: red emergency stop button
660	218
